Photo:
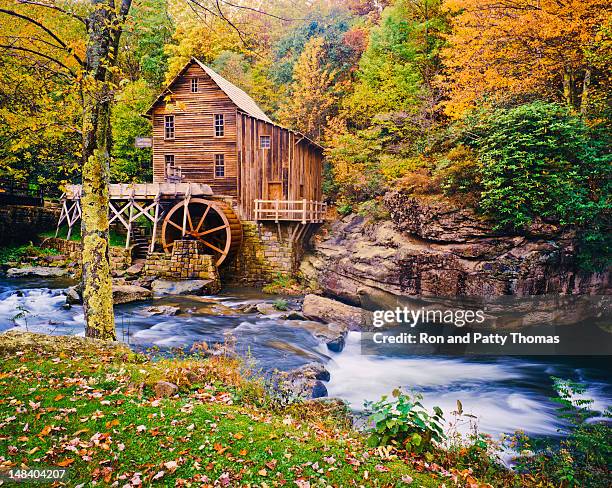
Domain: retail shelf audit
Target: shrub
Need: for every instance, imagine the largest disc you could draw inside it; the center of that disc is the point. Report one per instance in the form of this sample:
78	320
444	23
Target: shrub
540	160
582	457
405	423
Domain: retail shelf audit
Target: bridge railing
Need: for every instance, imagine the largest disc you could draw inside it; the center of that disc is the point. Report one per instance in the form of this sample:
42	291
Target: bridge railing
304	211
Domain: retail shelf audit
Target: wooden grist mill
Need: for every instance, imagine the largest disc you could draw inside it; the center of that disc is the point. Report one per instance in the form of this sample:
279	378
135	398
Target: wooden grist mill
219	162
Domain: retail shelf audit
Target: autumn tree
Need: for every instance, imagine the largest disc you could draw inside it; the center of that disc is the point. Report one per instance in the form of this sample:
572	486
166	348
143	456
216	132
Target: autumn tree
520	49
311	97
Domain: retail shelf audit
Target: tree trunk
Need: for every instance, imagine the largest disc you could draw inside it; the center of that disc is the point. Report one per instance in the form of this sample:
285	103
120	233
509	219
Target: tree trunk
568	87
97	280
584	97
104	31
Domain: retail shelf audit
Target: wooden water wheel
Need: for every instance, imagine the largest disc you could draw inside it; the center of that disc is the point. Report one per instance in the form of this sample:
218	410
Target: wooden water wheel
213	223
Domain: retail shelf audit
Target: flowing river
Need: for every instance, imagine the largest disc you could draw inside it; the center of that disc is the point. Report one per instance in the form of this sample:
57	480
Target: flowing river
505	393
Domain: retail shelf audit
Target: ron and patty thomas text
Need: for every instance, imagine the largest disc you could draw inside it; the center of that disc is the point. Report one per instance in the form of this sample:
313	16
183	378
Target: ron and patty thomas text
457	317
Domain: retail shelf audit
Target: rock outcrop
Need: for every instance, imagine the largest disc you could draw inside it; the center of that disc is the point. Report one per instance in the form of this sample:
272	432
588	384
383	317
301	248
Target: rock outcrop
431	248
331	311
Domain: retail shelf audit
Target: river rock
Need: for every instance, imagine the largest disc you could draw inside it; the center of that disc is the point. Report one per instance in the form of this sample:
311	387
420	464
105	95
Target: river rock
313	370
267	309
39	271
327	310
305	382
162	287
334	335
165	389
136	267
160	310
73	295
129	293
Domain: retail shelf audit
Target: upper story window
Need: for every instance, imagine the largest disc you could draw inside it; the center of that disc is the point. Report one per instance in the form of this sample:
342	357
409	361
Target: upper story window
194	85
169	127
219	165
264	142
219	125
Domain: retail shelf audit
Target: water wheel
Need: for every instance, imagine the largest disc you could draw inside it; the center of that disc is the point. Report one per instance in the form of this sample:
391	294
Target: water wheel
213	223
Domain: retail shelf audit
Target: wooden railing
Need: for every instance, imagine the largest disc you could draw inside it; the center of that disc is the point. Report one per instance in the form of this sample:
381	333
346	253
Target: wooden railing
305	211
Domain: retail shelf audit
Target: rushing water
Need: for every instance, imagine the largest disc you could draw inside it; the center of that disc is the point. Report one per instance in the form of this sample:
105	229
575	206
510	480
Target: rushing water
505	393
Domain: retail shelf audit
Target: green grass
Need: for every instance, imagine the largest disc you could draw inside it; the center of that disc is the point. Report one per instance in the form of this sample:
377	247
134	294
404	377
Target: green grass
93	410
17	253
116	240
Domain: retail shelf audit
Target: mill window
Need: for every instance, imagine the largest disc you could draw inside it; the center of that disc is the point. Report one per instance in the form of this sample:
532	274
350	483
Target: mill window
169	127
264	142
170	168
194	85
219	125
219	165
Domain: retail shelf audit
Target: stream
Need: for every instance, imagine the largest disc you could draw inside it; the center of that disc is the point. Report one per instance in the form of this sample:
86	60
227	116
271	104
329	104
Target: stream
505	393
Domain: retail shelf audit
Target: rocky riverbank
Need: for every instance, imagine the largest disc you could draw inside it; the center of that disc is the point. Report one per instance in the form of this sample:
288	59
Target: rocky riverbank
432	248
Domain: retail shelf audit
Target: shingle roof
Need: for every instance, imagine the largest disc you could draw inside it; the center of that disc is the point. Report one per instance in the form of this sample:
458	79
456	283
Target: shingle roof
238	96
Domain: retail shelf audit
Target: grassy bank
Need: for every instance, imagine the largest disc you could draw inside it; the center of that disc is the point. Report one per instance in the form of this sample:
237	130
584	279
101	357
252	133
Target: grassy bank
91	408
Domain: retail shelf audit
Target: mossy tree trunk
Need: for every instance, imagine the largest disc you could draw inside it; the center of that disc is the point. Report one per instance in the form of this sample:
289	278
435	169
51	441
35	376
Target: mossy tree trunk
104	31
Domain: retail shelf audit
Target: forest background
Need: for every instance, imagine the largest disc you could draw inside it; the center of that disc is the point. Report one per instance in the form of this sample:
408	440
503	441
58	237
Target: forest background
499	106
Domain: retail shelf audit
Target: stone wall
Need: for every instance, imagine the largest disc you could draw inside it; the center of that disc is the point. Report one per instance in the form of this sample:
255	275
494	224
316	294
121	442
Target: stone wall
20	223
268	249
120	257
188	261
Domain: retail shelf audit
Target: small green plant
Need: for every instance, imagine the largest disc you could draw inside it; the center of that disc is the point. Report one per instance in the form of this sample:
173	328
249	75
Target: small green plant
404	423
582	457
282	284
22	313
345	208
281	305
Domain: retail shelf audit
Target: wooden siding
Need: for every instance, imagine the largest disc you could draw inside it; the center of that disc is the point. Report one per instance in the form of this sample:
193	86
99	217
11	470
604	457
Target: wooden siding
194	144
291	168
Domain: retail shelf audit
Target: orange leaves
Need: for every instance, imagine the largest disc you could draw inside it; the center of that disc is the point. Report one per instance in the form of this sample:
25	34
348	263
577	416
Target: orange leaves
508	50
65	462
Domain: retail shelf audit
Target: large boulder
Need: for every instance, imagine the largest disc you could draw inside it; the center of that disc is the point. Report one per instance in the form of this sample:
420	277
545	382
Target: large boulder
332	311
37	271
163	287
130	293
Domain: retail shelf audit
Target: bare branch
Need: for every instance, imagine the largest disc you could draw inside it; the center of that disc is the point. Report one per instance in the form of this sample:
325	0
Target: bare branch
46	29
262	12
54	7
31	51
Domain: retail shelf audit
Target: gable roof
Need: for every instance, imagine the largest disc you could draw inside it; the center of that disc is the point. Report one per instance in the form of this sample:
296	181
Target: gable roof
239	97
243	101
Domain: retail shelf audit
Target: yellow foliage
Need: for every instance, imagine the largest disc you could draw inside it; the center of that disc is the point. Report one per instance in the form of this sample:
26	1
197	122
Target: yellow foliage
505	50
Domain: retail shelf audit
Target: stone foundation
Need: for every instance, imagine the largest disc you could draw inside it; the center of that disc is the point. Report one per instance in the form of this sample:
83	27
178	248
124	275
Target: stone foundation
267	250
20	223
120	258
188	261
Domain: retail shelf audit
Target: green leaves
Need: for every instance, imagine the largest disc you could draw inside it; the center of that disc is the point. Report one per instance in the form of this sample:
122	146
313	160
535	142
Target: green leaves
403	421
